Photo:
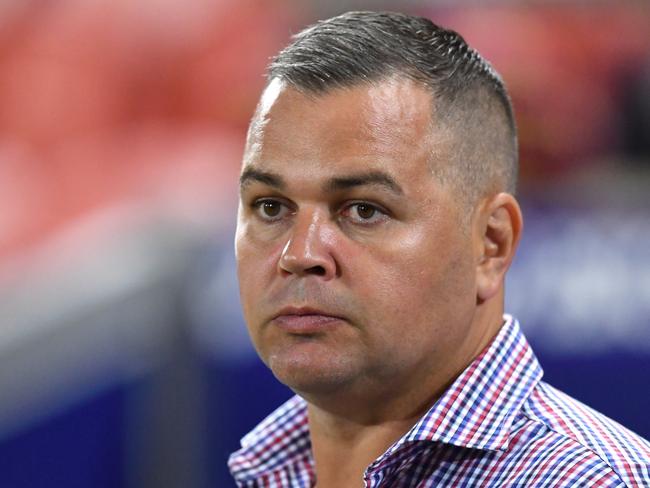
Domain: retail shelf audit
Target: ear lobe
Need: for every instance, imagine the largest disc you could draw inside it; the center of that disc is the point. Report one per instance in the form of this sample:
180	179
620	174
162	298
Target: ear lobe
500	231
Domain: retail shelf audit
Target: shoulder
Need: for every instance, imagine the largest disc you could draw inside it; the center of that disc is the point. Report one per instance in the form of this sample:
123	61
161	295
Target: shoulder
583	440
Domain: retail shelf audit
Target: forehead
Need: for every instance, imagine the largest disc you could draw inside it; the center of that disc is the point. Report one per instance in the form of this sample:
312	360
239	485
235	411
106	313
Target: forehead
384	126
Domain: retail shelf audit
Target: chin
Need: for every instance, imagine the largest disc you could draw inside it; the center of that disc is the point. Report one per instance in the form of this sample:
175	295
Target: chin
307	375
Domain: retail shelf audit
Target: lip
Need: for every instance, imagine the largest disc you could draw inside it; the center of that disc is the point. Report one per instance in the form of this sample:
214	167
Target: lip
306	320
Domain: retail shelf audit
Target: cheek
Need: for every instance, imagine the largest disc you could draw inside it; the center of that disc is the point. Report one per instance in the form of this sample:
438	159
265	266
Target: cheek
257	262
415	277
255	250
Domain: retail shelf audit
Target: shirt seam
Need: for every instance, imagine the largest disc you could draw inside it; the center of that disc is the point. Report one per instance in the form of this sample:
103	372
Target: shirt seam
576	442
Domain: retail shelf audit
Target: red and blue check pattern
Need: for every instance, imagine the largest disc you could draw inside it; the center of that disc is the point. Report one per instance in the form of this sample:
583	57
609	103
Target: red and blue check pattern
498	425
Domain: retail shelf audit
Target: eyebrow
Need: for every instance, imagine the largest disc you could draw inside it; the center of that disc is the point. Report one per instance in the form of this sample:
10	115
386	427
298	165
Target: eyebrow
362	179
250	175
338	183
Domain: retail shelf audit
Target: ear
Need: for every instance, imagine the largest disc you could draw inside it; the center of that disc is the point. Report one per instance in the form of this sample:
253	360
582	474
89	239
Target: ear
497	232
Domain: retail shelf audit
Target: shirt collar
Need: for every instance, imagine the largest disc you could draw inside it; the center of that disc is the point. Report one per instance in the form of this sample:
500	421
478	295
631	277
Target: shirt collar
280	440
477	411
479	408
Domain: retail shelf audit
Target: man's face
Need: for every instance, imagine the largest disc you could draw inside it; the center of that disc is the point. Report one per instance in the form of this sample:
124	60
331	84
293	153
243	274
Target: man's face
356	272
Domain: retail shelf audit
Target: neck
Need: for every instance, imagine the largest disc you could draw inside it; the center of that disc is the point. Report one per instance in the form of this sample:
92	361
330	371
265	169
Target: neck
350	430
344	448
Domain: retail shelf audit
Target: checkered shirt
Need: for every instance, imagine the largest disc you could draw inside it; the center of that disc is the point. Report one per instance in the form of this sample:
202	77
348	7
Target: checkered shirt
498	425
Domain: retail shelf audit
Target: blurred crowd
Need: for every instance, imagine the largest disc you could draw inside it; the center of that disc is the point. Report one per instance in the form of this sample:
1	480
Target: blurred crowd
110	101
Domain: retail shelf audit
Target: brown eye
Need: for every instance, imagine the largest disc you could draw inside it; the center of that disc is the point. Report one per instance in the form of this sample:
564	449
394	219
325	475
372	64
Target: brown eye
365	211
364	214
271	208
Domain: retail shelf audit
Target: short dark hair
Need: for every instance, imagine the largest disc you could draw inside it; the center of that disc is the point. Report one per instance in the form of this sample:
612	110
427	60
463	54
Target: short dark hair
368	47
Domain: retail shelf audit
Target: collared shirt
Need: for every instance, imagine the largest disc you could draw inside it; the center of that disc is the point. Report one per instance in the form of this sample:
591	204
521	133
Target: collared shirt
498	425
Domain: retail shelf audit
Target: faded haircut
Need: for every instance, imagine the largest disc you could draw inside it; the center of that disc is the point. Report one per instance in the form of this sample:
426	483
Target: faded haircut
469	96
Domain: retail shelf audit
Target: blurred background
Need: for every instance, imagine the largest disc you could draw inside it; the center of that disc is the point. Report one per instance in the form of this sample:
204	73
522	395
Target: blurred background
123	357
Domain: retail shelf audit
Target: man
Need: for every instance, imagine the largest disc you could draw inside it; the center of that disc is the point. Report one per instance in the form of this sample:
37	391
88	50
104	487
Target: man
376	224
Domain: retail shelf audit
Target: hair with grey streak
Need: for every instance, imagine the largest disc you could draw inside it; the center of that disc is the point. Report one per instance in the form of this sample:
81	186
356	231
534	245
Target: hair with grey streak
468	94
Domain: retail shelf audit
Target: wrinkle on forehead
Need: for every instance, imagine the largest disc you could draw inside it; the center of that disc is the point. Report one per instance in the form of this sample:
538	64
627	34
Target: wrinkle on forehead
393	117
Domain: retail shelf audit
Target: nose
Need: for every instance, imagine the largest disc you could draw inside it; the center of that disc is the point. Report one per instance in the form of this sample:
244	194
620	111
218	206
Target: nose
308	250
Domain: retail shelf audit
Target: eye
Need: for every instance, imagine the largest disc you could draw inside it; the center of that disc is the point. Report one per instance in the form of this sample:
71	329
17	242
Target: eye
364	213
270	210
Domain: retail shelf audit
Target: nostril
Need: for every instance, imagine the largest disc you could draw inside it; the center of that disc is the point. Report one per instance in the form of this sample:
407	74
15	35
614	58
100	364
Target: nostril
316	270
